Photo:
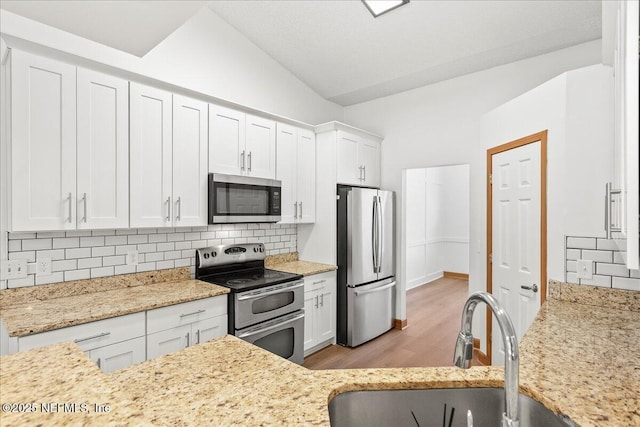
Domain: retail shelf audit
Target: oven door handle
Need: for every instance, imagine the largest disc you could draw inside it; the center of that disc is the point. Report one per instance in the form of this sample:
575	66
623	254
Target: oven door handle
275	291
269	328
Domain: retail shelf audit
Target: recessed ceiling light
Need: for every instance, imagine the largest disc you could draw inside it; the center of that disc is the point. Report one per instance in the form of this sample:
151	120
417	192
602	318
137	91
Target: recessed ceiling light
378	7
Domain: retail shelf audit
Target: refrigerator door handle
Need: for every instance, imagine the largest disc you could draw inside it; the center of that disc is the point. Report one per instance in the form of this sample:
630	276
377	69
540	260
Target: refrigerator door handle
374	234
379	237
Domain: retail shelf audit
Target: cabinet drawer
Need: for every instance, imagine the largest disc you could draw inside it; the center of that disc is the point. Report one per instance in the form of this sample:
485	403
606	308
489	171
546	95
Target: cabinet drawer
317	281
208	329
89	336
119	356
172	316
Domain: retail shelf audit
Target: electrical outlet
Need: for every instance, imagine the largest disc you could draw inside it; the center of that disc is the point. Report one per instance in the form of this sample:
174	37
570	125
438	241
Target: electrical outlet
13	269
132	258
43	267
585	269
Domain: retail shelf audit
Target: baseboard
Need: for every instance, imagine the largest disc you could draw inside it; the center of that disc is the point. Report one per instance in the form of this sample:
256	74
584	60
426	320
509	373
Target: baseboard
482	358
424	280
452	275
400	324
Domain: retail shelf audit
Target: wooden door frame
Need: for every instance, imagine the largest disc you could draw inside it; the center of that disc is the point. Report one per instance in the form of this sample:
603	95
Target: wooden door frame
542	137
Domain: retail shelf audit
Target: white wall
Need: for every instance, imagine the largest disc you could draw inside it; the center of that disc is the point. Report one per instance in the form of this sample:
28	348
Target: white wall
456	223
205	55
439	124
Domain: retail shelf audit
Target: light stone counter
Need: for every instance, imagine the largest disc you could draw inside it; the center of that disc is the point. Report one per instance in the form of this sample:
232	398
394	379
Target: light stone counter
289	263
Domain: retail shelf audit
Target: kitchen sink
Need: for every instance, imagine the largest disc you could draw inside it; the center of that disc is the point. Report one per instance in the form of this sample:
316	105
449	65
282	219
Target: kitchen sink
435	408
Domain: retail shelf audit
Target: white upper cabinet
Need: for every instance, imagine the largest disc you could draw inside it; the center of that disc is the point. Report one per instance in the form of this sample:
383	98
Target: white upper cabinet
296	166
168	159
151	150
70	147
189	161
103	151
358	160
43	144
226	140
241	144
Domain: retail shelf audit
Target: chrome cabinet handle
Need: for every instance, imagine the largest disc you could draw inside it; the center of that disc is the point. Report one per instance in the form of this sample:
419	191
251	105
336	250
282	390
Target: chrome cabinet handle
242	164
319	281
188	339
533	287
178	209
198	336
321	300
84	204
360	173
249	161
191	314
316	301
300	210
69	197
99	363
104	334
168	203
364	173
295	210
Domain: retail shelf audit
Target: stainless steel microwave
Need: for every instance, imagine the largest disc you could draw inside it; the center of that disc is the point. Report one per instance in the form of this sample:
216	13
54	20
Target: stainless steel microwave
237	199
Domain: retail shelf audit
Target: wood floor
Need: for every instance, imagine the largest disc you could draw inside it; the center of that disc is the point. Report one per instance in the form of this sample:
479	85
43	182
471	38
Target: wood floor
433	316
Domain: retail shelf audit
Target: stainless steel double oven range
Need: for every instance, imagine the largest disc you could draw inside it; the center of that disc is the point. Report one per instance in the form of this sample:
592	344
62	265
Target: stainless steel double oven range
266	307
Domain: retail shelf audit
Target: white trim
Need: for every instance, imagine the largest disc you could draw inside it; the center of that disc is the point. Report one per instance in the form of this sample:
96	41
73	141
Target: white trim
334	125
416	283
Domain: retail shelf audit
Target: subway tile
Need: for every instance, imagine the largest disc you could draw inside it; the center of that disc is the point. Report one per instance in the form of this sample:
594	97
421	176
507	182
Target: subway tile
35	244
126	232
279	245
196	244
125	269
154	256
21	283
77	275
157	238
66	242
208	235
631	284
68	264
635	274
166	247
246	233
199	229
166	230
175	237
581	243
78	253
285	238
163	265
607	244
214	227
101	272
240	241
103	233
253	227
600	256
227	241
142	258
103	251
143	249
617	258
265	226
222	234
268	246
89	263
55	254
292	230
182	229
147	230
52	278
281	232
269	232
274	239
240	226
214	242
188	253
137	239
146	266
235	233
31	267
49	234
20	236
258	233
184	262
172	255
183	245
91	241
78	233
122	250
612	269
597	280
115	240
15	245
113	260
192	236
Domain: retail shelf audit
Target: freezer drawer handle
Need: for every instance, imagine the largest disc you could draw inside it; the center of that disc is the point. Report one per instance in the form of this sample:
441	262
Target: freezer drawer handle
378	289
269	328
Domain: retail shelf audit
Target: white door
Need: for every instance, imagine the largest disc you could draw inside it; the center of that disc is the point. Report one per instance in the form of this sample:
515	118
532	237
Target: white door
169	341
369	160
348	169
306	176
516	187
151	162
226	140
325	317
119	356
310	301
190	169
260	147
286	166
43	144
103	151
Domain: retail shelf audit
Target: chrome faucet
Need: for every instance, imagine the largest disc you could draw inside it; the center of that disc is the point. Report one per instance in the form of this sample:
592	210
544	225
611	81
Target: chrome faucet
464	351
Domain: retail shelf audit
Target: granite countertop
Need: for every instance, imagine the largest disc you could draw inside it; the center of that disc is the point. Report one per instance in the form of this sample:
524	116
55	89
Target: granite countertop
67	308
289	263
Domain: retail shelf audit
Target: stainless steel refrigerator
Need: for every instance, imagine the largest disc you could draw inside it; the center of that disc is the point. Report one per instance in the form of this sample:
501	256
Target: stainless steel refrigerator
366	264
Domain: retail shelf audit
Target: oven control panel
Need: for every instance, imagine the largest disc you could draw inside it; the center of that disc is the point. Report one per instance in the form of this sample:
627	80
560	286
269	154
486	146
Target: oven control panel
230	254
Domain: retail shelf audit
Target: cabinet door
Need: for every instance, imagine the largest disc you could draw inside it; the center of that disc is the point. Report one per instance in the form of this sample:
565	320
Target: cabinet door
226	140
120	355
174	339
43	144
208	329
103	151
348	169
189	161
306	176
325	315
310	300
369	159
151	163
286	166
261	147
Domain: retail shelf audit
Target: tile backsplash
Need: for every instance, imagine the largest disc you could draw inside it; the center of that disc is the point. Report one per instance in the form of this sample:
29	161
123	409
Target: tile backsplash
81	254
609	269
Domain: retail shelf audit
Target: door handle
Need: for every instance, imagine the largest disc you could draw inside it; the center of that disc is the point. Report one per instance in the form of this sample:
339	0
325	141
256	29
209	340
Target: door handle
198	336
533	287
316	301
168	202
242	155
300	210
84	205
249	161
69	219
188	339
364	173
178	209
295	210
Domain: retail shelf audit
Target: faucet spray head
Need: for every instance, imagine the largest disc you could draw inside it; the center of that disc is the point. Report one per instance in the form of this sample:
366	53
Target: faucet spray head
464	350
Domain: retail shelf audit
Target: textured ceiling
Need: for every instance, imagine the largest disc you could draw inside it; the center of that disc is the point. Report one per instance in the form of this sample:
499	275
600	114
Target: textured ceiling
347	56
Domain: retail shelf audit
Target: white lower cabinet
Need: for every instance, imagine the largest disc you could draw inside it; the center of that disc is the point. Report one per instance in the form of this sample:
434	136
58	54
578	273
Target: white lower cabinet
320	311
168	341
119	356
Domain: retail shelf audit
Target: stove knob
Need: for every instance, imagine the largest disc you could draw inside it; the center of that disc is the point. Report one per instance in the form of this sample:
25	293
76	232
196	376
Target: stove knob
255	249
206	256
213	254
261	248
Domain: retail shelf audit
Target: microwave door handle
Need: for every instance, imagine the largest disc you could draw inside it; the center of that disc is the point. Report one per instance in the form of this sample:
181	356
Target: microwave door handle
271	327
